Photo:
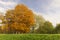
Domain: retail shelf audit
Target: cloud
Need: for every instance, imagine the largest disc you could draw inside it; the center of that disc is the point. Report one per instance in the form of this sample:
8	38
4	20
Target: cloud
50	9
55	3
6	5
53	12
2	9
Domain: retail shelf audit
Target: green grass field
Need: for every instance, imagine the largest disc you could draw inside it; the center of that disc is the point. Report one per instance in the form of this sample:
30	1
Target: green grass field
29	37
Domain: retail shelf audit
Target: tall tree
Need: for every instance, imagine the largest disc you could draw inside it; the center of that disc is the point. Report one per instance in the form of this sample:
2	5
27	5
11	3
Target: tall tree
21	19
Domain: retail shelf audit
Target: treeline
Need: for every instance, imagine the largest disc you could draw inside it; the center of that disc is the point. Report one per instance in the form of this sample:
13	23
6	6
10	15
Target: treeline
23	20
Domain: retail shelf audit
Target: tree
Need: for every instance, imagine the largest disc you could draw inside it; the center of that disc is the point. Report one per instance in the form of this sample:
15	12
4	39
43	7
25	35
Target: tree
39	22
57	29
47	28
4	28
21	19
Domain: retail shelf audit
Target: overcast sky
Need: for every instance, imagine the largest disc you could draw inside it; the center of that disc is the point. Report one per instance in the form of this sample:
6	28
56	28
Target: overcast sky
49	9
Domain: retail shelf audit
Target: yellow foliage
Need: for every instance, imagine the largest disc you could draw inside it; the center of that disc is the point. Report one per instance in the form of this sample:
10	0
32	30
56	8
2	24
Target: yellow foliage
21	18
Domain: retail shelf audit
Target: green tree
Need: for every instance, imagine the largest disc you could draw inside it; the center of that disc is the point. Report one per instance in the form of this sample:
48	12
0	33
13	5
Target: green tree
39	21
47	28
57	29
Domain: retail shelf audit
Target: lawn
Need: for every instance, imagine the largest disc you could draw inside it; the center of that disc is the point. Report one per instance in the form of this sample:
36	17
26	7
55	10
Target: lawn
29	36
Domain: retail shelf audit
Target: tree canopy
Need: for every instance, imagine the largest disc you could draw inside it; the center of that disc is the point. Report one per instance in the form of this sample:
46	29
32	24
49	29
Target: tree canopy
20	19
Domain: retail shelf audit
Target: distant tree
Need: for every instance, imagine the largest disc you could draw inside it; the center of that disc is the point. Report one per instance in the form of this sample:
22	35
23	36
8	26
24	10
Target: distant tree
46	28
39	22
21	19
57	29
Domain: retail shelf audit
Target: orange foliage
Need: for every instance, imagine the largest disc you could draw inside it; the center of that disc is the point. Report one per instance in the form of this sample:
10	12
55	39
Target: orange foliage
21	18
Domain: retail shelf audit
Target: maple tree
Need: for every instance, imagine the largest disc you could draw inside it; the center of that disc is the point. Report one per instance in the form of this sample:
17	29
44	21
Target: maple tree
20	19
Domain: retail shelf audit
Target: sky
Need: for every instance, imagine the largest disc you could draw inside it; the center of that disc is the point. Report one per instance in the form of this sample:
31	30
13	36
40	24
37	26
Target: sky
49	9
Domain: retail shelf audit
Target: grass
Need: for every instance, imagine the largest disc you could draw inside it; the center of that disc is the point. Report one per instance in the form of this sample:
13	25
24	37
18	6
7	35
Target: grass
29	36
